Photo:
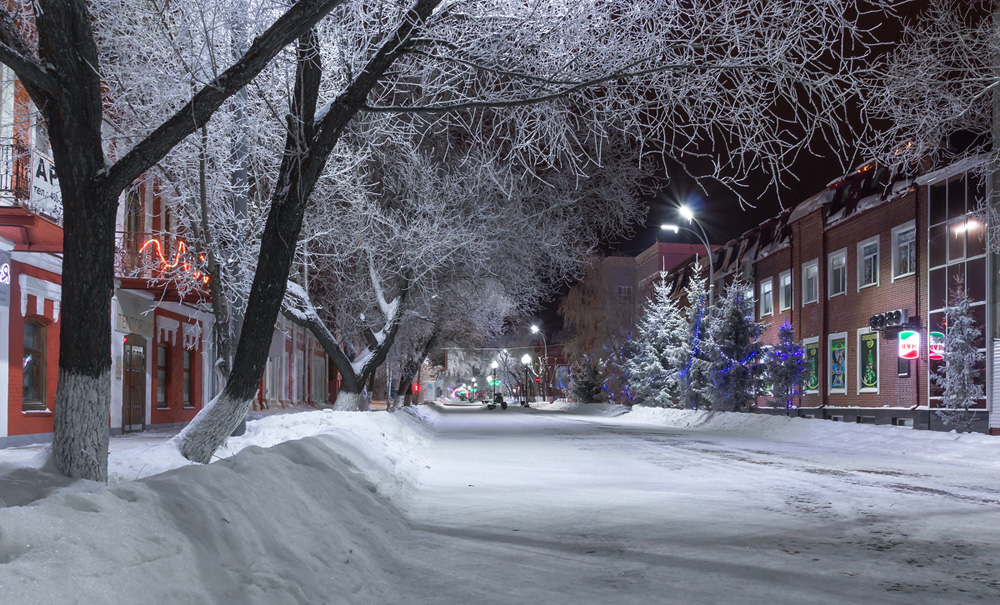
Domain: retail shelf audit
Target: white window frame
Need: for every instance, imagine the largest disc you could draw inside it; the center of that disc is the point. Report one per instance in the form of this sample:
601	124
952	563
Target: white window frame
766	289
878	363
785	302
896	231
829	273
829	363
813	264
861	261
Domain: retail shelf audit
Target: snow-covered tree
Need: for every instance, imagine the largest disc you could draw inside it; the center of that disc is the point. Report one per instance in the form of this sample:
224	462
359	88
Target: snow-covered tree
785	367
735	359
660	349
587	381
692	357
958	376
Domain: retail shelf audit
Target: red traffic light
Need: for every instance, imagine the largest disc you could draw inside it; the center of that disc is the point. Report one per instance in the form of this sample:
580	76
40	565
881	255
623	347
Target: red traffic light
416	388
538	378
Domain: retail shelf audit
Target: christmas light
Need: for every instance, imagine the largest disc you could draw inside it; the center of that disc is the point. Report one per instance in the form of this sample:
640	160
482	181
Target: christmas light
180	260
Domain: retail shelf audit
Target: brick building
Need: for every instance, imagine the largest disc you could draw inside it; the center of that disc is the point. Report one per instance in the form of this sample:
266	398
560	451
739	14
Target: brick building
866	245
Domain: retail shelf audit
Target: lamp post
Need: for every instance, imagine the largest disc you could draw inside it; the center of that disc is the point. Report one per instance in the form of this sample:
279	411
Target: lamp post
708	249
475	390
493	383
526	360
545	361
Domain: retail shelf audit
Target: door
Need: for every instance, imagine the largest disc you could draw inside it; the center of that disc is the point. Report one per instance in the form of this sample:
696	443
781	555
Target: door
134	385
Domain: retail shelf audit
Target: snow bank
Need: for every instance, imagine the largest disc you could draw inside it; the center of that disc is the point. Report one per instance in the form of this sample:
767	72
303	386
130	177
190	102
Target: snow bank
874	438
587	409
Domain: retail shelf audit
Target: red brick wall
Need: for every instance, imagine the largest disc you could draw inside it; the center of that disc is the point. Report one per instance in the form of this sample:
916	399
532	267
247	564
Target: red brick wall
176	410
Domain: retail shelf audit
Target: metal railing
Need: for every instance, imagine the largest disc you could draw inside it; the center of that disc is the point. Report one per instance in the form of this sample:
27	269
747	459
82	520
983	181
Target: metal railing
15	170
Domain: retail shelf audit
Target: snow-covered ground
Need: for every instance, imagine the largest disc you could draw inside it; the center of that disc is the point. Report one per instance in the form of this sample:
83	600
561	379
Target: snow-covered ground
560	504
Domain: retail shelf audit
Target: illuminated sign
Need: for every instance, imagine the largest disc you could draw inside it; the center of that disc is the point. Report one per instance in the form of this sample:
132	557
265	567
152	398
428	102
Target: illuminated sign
4	279
909	344
935	345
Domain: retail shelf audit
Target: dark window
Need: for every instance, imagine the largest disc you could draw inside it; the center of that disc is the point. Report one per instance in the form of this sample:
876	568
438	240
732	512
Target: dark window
161	376
956	279
187	378
956	241
975	238
33	367
938	288
938	245
979	321
975	279
939	207
956	199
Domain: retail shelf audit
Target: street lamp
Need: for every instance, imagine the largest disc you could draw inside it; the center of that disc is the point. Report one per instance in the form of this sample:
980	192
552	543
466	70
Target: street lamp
545	359
493	383
526	360
686	212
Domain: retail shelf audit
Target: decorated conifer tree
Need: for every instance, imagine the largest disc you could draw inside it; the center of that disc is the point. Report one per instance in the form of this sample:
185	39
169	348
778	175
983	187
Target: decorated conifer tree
735	358
691	356
785	367
958	377
587	385
661	331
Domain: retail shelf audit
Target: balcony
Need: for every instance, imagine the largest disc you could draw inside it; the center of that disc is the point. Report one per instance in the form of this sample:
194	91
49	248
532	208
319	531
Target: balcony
15	170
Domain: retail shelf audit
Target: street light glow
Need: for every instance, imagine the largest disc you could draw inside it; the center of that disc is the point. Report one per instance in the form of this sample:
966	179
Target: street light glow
668	227
686	212
534	329
494	364
526	359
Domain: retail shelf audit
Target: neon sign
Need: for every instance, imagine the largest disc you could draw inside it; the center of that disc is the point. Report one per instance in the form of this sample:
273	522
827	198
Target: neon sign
909	344
5	273
180	261
935	346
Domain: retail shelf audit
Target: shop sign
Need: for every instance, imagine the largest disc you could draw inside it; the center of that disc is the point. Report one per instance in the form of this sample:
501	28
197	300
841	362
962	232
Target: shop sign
5	272
935	346
909	344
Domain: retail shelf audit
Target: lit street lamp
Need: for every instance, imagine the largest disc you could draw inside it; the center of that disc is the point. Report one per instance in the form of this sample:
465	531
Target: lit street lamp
493	383
545	361
526	360
703	238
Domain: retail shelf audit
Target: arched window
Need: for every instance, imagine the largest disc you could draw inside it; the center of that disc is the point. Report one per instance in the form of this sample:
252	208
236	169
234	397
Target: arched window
33	367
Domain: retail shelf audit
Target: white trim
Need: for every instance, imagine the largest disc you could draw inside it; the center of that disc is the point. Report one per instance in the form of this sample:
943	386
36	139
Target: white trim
829	273
42	290
192	336
861	259
769	297
829	363
45	262
878	365
908	225
785	305
166	327
814	263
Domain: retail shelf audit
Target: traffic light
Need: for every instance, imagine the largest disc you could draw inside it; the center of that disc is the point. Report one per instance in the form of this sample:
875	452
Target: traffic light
416	387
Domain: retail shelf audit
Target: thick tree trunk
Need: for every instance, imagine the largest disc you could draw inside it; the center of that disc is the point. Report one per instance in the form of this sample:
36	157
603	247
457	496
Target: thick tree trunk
409	370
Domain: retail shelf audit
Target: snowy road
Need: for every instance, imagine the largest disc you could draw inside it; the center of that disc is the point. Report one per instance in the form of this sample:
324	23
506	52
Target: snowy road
523	506
460	505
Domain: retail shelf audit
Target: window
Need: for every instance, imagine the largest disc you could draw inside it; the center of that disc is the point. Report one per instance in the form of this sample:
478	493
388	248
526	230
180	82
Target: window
867	361
187	379
810	282
766	297
837	363
33	367
838	273
810	382
161	376
904	250
625	292
785	291
868	263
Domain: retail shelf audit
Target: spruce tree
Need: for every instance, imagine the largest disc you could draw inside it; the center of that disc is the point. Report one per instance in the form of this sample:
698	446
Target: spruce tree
691	356
785	367
958	376
587	384
652	376
735	359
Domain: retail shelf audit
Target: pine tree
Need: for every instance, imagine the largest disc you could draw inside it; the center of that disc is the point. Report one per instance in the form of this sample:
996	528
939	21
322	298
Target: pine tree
587	384
785	367
652	375
958	376
735	357
691	356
